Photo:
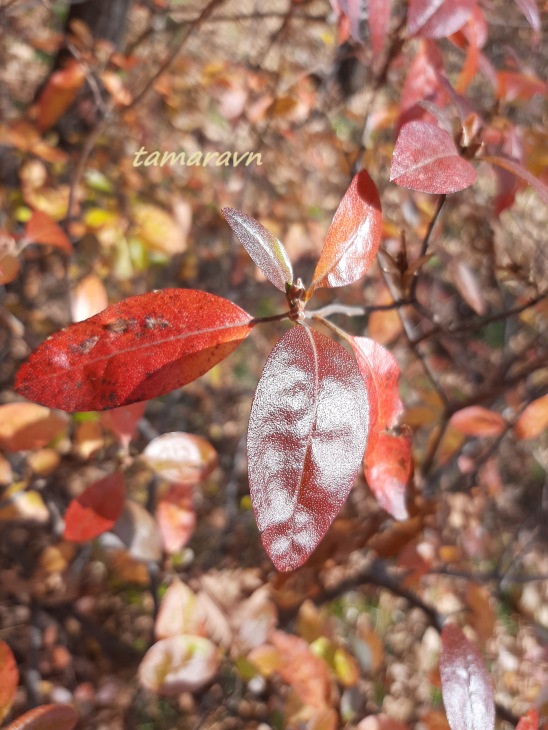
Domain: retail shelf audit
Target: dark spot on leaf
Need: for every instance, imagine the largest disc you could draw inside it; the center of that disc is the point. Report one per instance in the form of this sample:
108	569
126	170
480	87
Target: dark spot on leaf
89	344
118	326
154	322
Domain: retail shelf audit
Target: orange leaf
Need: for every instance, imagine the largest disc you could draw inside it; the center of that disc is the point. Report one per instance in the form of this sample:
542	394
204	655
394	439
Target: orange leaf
58	94
27	426
176	518
534	419
9	679
42	229
478	421
302	669
88	298
96	510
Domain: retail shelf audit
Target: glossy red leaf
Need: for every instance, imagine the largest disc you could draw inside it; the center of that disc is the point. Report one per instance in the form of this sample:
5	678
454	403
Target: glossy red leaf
530	9
310	407
538	186
438	19
46	717
95	510
378	17
380	373
141	348
529	721
40	228
263	247
426	159
388	470
465	683
9	679
354	236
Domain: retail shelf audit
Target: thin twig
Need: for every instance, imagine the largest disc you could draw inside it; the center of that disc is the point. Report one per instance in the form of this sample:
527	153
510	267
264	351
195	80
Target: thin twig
426	240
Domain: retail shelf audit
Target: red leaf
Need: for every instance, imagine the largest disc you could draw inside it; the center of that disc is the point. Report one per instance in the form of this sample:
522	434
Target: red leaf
176	517
422	82
96	510
530	10
263	247
58	94
354	236
528	721
123	421
143	347
435	19
465	684
388	470
478	421
310	406
380	373
46	717
378	16
538	186
9	679
43	229
426	159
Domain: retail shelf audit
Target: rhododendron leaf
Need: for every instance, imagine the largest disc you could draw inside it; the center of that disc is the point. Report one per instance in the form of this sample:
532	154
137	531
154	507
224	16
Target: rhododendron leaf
388	470
310	408
354	236
141	348
95	510
465	683
263	247
426	159
438	18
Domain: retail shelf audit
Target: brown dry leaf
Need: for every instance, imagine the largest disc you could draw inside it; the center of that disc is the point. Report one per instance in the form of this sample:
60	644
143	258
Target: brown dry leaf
9	267
116	88
88	298
266	658
181	457
481	616
179	613
218	627
6	473
18	504
306	673
435	720
325	719
41	228
9	679
158	229
368	645
44	461
58	94
390	542
534	419
381	722
128	569
138	530
384	326
46	717
311	624
255	619
88	439
469	287
179	664
27	426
